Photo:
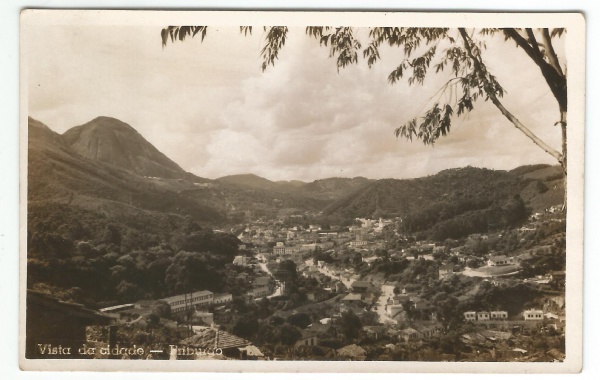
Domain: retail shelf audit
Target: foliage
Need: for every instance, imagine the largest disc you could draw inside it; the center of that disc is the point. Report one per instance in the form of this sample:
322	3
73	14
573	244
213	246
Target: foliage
350	325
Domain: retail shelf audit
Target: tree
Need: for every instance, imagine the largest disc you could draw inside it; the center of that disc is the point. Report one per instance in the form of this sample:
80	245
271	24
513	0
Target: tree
301	320
459	51
246	327
350	325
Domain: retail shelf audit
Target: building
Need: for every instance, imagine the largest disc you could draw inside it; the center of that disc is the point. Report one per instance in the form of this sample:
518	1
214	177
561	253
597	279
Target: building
410	334
240	260
221	298
485	316
182	302
393	310
533	315
498	315
259	292
446	270
307	340
353	298
500	260
360	286
261	287
285	250
358	243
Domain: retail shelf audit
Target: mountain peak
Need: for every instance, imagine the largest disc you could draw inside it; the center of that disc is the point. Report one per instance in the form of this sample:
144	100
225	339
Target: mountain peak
115	142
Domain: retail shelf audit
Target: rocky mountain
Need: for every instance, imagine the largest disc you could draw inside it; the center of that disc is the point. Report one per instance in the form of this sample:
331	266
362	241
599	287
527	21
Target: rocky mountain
114	142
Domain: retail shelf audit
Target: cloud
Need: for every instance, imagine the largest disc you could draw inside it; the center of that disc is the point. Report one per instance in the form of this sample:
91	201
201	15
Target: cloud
209	107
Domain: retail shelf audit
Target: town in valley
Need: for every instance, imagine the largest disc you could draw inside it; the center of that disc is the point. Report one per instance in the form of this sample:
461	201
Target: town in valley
464	265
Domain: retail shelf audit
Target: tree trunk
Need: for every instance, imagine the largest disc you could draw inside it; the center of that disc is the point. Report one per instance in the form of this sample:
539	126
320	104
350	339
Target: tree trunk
563	161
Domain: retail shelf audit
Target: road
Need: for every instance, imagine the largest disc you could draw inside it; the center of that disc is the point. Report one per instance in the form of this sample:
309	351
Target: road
327	272
387	291
264	268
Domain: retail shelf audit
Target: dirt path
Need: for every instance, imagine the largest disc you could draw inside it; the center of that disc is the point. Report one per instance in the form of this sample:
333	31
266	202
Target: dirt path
387	291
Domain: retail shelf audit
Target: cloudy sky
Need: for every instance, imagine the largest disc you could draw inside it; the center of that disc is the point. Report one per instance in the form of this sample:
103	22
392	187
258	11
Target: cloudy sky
209	107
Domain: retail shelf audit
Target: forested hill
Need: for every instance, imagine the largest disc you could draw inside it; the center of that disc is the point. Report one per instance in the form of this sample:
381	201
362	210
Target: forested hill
473	198
56	173
112	141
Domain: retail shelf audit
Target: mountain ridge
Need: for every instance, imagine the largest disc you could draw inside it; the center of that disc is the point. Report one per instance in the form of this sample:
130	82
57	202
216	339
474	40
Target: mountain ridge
112	141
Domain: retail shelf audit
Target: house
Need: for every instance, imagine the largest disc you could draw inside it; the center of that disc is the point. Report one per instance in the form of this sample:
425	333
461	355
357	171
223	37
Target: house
473	339
394	310
212	338
533	315
500	260
360	286
353	299
470	316
498	315
182	302
240	260
259	292
358	243
428	331
446	270
410	334
439	249
307	340
483	316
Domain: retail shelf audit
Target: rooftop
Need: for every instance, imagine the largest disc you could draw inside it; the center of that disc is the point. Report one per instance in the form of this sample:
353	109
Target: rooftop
181	297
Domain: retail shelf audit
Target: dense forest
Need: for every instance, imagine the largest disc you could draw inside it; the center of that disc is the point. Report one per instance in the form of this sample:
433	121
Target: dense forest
87	257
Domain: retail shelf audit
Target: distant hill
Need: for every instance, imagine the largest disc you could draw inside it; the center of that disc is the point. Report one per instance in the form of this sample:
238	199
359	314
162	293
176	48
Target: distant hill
114	142
294	183
334	188
455	202
253	181
57	173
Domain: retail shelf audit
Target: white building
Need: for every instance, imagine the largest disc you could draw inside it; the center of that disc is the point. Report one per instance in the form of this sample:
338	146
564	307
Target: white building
533	315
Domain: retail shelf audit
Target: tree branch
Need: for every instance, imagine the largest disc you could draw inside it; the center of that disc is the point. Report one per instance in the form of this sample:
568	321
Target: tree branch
482	73
534	44
555	79
550	53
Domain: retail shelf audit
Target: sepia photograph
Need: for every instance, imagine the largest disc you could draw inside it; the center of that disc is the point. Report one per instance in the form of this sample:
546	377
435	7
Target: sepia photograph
200	187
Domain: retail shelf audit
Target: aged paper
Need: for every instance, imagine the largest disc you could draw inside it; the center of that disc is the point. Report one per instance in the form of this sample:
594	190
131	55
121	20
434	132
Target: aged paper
359	192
